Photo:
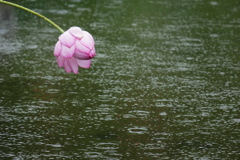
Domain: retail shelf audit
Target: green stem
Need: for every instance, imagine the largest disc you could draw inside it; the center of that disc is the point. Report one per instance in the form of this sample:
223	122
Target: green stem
33	12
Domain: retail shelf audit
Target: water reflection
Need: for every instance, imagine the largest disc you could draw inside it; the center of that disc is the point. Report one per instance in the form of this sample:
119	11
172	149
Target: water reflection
164	85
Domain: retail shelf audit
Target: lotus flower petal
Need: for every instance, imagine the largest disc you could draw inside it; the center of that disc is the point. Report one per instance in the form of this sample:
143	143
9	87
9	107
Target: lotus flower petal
92	52
81	56
57	49
76	32
74	65
84	63
89	36
67	39
87	41
67	52
60	61
67	67
82	48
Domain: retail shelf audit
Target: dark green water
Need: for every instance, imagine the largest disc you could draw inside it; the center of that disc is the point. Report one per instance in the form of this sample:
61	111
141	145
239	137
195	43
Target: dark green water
164	83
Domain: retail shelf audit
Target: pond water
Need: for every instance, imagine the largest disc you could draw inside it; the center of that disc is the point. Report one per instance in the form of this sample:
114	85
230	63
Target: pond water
164	83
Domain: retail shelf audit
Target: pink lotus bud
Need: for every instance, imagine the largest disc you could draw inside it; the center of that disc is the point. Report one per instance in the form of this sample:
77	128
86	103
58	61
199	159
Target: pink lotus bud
74	48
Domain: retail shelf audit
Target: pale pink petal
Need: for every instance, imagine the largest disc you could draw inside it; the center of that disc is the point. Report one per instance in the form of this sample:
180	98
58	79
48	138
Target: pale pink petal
60	61
93	52
57	49
74	65
81	56
68	68
67	52
67	39
76	32
81	48
84	63
82	52
85	33
87	41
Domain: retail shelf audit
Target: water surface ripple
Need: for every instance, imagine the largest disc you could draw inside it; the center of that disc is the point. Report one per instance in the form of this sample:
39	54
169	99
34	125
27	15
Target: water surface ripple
164	84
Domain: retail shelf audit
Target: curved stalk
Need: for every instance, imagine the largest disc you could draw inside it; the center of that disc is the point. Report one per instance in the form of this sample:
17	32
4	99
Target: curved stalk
33	12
